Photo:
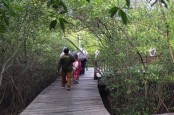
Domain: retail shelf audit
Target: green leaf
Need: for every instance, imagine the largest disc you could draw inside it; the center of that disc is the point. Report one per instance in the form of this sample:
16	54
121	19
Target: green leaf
62	22
88	1
121	13
53	24
123	16
18	8
128	3
113	11
6	4
52	14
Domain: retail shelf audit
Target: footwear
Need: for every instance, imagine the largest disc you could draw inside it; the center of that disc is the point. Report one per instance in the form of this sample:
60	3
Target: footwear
75	82
68	88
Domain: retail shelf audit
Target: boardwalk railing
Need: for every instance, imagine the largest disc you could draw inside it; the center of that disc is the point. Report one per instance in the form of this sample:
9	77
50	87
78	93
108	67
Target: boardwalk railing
100	66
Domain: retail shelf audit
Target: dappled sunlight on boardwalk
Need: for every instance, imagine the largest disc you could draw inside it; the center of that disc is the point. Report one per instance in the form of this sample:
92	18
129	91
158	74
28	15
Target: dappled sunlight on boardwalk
82	99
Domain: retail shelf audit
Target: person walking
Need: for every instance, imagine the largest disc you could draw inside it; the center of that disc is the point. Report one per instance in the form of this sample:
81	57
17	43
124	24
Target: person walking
66	64
77	68
82	54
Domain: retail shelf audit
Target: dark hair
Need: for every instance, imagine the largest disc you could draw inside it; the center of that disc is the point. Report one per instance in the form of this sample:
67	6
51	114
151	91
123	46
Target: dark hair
66	50
75	56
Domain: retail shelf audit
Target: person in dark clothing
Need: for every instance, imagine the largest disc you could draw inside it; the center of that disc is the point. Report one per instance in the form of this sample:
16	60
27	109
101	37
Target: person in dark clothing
66	64
82	54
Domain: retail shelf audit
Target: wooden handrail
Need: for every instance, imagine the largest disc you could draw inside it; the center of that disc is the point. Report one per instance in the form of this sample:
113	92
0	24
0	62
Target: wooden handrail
100	66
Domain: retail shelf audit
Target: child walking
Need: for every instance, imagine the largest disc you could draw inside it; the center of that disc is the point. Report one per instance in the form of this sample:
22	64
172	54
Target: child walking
77	68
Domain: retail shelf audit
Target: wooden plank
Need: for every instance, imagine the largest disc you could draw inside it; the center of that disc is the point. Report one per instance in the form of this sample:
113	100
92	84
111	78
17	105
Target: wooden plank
82	99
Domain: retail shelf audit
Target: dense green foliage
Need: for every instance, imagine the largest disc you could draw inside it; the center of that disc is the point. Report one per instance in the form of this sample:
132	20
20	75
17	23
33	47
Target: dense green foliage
28	52
33	33
138	87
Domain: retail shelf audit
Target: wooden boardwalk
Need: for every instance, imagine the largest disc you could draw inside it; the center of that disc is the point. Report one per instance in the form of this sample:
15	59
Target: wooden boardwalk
82	99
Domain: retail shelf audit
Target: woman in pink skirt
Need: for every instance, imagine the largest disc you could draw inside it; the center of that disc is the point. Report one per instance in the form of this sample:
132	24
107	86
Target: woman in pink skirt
77	68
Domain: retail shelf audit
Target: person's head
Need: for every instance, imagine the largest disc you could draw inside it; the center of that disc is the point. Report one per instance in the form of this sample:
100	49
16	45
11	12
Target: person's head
66	50
63	49
75	56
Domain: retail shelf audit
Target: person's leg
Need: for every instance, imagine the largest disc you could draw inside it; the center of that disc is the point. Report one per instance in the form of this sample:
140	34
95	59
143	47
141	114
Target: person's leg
69	80
75	80
86	66
75	75
63	79
83	67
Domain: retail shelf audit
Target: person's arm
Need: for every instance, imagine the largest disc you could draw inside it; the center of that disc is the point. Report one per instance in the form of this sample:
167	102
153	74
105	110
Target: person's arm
59	64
